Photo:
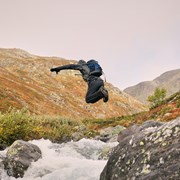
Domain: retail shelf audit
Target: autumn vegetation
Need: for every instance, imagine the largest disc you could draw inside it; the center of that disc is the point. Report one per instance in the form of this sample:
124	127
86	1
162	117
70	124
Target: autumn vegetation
21	124
36	104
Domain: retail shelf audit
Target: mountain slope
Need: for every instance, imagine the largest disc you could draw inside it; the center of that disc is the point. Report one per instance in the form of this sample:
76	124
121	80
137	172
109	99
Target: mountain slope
169	80
25	81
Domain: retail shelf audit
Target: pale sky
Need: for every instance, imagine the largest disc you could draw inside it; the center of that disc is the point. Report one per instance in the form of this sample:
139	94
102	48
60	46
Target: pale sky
133	40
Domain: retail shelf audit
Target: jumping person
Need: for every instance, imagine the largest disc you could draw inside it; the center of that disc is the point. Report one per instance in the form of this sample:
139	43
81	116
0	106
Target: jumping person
91	72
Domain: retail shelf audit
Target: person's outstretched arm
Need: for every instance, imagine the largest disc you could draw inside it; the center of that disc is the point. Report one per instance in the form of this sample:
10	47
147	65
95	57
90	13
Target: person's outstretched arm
65	67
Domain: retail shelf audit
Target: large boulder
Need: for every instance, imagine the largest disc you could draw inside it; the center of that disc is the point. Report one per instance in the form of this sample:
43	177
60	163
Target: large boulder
148	152
19	157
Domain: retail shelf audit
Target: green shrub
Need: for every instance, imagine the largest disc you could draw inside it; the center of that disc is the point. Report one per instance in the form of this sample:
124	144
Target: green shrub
15	125
157	97
20	124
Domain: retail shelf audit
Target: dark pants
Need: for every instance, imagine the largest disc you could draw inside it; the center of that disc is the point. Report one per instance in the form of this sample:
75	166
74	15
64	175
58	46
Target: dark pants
93	93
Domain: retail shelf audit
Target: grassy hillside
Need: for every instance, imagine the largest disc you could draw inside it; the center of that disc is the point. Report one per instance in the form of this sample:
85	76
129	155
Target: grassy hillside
25	81
168	110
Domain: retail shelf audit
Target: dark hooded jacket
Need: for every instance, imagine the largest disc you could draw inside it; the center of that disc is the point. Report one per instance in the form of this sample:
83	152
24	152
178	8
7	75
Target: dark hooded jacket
94	92
80	66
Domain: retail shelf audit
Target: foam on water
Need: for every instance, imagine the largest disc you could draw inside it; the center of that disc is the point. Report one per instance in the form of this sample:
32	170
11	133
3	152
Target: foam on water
67	161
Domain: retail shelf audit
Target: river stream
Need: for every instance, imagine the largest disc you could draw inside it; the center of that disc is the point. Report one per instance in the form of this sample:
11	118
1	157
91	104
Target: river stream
67	161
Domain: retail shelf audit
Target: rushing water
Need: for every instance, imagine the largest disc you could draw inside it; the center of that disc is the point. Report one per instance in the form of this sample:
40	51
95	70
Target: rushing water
67	161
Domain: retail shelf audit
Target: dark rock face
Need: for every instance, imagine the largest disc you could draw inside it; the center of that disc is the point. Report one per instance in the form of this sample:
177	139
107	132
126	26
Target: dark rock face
19	157
148	152
2	147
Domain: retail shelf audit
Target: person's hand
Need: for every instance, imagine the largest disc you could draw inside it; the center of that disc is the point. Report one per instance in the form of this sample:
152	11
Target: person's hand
54	69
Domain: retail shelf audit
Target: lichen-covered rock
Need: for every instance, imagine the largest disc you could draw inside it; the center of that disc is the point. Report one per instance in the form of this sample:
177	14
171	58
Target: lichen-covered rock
19	157
146	153
137	129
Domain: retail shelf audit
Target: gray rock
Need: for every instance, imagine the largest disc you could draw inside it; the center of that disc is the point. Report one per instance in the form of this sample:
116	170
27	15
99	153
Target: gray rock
1	164
146	153
110	134
79	134
19	157
2	147
135	128
149	124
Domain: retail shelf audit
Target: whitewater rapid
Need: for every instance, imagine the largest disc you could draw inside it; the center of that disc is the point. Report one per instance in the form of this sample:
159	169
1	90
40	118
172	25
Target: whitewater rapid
66	161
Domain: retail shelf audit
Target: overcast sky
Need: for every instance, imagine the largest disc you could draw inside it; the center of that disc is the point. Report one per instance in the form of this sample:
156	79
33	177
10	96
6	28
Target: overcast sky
134	40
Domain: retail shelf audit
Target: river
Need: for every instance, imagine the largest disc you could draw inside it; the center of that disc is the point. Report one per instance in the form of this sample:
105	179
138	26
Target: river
66	161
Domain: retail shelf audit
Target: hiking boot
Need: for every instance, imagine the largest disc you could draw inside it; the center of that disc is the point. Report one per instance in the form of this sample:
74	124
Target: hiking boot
105	94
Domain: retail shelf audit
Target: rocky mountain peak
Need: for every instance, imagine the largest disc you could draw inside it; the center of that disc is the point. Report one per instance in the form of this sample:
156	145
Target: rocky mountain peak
169	80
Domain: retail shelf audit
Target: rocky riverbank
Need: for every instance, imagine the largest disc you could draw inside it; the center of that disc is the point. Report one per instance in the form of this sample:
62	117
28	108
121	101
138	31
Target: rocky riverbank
148	151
